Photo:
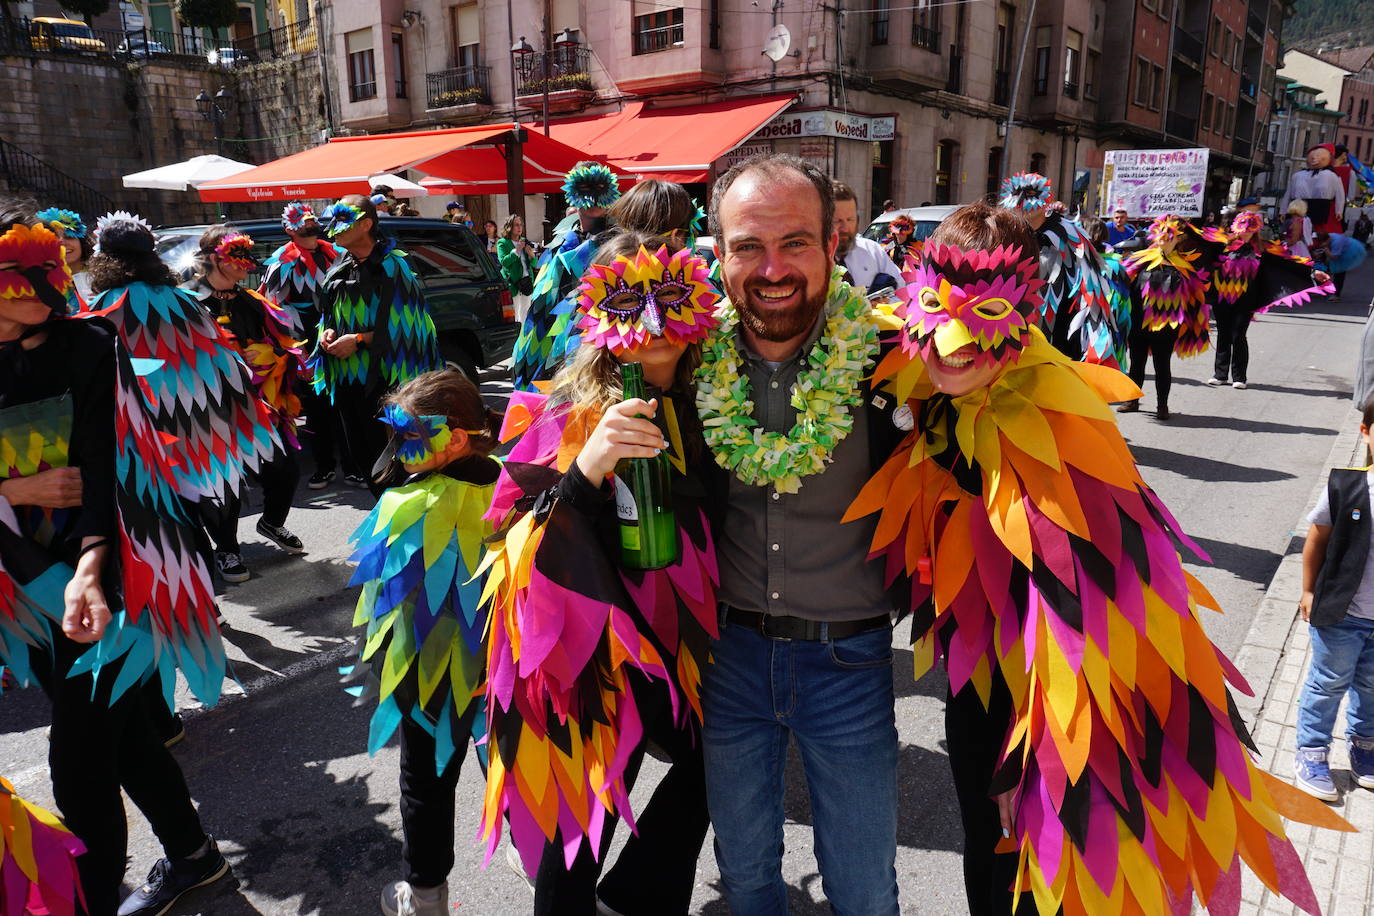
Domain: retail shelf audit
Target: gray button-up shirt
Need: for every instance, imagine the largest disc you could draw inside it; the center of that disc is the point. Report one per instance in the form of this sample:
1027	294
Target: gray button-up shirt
787	553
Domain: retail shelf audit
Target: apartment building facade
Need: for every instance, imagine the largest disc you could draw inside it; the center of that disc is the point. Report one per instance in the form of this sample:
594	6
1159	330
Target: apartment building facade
901	101
1344	81
1301	120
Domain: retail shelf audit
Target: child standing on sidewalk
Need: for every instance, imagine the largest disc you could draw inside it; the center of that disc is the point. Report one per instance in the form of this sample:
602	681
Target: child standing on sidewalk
1338	601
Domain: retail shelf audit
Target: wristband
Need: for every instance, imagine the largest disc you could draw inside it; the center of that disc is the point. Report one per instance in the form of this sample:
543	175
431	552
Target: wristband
87	548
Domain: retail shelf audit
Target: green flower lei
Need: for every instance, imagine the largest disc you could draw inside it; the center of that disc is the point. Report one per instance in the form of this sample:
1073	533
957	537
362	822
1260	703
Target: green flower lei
823	395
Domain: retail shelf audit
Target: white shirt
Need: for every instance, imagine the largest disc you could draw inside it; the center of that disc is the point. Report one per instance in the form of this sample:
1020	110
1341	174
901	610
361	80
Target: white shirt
867	259
1321	184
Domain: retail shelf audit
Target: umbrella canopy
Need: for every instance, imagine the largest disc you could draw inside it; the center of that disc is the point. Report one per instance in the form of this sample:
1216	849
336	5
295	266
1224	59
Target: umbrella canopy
400	187
182	176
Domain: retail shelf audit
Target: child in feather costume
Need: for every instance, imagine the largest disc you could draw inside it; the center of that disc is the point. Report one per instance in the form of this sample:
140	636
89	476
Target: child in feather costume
589	661
1099	760
423	656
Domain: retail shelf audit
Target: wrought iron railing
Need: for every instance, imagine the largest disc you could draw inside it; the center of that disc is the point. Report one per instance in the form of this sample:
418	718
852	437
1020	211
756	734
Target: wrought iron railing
24	172
657	38
560	69
458	86
923	37
24	35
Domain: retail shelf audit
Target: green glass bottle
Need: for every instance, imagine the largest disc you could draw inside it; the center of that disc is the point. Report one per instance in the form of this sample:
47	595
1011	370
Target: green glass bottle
644	498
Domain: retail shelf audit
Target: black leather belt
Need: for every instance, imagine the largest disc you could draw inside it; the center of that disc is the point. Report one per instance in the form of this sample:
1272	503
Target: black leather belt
779	626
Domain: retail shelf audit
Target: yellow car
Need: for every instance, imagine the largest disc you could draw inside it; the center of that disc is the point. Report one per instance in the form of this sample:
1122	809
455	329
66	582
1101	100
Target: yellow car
49	33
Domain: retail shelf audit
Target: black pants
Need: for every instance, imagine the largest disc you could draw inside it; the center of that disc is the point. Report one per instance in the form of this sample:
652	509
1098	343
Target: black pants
656	870
325	429
974	737
427	801
1159	346
278	479
1233	349
96	748
1338	280
365	435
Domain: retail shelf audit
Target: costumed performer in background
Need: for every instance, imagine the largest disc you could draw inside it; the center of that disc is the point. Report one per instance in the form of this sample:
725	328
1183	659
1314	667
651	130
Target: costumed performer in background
899	245
261	333
589	661
1320	187
376	333
1250	277
1340	254
1100	764
292	277
96	547
1076	313
423	657
76	244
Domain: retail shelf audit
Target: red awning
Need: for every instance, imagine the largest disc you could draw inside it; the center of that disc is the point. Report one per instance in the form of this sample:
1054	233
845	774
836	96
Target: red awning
677	143
469	157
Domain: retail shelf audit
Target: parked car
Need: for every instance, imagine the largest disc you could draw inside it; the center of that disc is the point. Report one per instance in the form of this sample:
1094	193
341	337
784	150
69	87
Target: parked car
925	218
50	33
228	57
470	304
135	44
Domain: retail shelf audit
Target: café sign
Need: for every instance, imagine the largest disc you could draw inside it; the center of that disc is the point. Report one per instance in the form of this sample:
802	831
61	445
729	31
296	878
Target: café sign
829	122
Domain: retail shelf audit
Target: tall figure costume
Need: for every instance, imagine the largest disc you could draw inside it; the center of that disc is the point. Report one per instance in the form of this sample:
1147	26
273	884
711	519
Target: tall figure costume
1076	309
422	659
1169	311
382	296
1047	575
587	660
73	399
261	333
1320	187
37	859
1251	276
552	316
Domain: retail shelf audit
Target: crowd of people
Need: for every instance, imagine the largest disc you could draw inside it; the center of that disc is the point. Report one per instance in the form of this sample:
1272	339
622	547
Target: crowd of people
846	433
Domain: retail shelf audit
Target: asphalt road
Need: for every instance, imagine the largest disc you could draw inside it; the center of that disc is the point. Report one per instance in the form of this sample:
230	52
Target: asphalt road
310	822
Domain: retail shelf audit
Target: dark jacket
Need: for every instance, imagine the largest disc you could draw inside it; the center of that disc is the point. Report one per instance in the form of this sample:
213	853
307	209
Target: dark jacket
1347	551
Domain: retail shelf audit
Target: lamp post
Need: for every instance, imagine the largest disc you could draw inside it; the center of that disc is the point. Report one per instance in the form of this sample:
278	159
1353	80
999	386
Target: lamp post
213	110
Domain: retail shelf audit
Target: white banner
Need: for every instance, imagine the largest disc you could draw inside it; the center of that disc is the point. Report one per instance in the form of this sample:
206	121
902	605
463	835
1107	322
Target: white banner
1152	182
828	122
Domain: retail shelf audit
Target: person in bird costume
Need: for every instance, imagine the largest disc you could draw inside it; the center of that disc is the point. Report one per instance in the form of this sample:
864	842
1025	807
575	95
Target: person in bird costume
1097	753
1250	277
899	245
376	333
422	659
261	333
104	588
37	859
76	245
1075	309
591	188
590	661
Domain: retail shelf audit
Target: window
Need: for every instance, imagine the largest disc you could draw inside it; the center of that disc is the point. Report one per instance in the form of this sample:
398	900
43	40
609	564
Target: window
925	27
1094	61
1002	48
1156	86
398	63
878	28
1037	163
467	31
945	154
994	169
714	24
1214	45
1073	54
1142	82
1236	50
658	31
362	67
1148	4
1206	111
440	256
1042	59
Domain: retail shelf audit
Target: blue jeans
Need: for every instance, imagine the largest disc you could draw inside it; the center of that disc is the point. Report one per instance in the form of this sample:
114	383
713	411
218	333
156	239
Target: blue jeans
836	698
1342	661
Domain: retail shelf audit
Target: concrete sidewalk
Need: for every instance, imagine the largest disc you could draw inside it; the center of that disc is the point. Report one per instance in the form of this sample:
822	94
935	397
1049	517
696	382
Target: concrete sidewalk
1274	660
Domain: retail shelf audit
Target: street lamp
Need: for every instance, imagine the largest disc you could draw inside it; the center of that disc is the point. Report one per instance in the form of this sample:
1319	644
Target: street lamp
522	50
213	110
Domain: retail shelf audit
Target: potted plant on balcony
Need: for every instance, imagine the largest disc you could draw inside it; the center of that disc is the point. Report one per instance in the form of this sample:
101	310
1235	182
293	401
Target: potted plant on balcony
453	98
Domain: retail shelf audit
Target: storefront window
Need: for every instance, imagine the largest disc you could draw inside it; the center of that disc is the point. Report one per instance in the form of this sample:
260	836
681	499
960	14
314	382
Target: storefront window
945	154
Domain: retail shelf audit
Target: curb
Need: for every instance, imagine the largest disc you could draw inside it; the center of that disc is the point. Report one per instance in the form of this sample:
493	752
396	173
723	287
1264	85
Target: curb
1270	632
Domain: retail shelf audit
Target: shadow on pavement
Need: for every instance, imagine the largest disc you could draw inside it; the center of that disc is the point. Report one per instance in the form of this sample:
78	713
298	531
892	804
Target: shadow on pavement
1205	469
1245	424
1248	563
23	710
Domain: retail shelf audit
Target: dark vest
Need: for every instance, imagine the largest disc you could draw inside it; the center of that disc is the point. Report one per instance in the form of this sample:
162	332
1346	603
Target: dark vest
1348	549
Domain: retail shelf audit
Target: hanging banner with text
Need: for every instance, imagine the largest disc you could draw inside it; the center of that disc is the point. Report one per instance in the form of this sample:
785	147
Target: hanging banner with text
1152	182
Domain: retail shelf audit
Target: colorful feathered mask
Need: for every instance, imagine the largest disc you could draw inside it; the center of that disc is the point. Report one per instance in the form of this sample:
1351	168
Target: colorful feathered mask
1166	228
1027	191
238	251
626	303
340	218
901	224
64	222
1245	222
958	297
295	215
32	266
590	184
417	439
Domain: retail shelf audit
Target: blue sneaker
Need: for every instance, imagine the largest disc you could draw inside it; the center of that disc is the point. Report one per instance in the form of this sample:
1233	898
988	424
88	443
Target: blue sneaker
1362	761
1313	773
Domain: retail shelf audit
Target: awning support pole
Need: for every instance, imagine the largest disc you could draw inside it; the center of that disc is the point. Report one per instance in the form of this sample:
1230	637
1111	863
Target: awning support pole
515	171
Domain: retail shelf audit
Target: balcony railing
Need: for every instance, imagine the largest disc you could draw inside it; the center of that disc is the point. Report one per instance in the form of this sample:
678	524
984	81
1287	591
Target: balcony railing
559	70
1188	47
144	44
1254	23
955	81
1001	87
923	37
459	86
657	38
1180	125
1070	90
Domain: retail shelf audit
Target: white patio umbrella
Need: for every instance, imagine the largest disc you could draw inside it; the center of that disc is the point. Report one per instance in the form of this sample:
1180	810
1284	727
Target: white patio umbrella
400	187
183	176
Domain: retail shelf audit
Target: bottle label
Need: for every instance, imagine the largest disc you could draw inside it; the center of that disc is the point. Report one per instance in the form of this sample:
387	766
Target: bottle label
625	508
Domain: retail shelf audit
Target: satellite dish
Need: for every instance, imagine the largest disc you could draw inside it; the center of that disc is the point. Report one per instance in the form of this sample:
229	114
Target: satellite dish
778	42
